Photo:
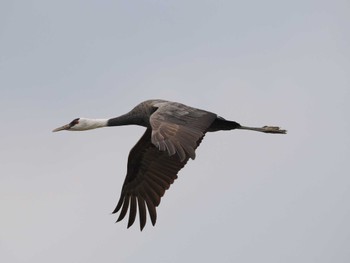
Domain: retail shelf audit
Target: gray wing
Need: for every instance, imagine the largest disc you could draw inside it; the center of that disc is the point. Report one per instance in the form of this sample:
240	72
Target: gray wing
176	128
153	164
150	173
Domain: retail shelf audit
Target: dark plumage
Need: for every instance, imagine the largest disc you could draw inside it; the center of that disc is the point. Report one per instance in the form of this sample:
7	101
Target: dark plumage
173	133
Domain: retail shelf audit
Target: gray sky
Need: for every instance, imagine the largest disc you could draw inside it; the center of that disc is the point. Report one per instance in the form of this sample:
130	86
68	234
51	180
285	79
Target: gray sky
248	197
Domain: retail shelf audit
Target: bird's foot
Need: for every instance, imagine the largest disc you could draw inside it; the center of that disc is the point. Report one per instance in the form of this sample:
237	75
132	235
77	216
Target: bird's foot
273	129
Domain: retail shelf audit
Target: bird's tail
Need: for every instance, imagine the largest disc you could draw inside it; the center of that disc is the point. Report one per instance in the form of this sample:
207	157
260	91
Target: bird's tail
220	124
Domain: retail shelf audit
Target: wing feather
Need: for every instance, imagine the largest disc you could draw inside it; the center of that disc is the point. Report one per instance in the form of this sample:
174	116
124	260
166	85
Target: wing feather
151	210
142	211
124	208
133	207
176	128
158	156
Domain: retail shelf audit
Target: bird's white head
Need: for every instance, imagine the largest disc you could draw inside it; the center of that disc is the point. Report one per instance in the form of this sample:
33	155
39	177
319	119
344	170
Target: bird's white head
83	124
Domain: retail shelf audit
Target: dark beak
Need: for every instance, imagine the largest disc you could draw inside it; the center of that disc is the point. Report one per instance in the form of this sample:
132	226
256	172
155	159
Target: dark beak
64	127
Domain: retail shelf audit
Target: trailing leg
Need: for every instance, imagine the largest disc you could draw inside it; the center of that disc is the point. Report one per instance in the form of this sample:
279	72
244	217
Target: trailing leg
266	129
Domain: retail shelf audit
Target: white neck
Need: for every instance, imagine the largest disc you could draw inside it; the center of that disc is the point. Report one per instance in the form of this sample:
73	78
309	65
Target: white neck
88	124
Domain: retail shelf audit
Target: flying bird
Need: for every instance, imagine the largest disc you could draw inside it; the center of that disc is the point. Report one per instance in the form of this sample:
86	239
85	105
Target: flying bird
173	133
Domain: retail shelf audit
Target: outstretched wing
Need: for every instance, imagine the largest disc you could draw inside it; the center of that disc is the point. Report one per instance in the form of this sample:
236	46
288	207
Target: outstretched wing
176	131
176	128
150	172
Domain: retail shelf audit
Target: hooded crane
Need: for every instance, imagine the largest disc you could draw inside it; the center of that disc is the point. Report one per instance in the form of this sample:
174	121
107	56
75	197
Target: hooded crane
173	132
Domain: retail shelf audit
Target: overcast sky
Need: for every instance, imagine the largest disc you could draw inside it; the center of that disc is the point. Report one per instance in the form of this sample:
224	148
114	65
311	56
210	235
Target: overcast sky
248	197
